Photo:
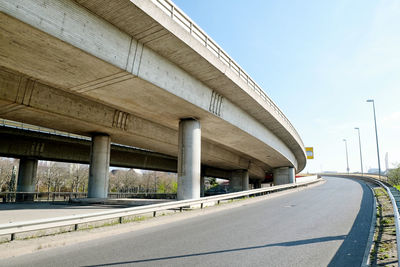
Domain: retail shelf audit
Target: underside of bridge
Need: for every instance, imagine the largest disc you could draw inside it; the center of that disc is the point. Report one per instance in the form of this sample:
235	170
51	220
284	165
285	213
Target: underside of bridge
81	70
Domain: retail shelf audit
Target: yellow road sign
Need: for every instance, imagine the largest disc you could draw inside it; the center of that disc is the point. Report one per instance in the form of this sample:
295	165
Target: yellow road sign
310	152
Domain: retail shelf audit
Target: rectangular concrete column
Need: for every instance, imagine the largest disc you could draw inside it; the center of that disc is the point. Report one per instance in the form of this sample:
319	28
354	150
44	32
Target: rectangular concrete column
284	175
26	178
99	166
239	181
189	159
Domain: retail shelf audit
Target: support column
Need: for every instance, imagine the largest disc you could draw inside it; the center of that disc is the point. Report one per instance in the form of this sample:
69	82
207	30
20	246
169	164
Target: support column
99	166
284	175
239	181
202	186
26	178
189	159
257	184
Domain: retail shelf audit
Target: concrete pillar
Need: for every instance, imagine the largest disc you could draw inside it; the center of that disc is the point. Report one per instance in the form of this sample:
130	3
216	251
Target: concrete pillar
26	178
239	181
99	166
257	184
202	186
284	175
189	159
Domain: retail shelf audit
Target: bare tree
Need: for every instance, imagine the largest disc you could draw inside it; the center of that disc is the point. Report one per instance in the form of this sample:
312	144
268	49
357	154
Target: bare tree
6	170
79	175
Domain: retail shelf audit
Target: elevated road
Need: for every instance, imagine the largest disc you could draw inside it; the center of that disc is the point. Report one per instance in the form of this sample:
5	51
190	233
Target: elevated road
326	225
140	73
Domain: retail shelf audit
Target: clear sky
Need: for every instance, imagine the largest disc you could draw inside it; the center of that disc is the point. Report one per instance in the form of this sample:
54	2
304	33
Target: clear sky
319	61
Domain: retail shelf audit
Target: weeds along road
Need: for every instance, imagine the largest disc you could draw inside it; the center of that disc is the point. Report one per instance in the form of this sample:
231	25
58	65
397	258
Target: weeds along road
324	225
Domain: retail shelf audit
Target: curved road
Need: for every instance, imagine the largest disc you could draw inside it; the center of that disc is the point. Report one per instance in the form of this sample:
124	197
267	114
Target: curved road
323	225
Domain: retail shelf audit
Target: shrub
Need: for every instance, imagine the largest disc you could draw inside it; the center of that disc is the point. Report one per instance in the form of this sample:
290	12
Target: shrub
394	176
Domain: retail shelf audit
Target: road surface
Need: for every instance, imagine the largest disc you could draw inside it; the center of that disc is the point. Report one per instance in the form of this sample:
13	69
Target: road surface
323	225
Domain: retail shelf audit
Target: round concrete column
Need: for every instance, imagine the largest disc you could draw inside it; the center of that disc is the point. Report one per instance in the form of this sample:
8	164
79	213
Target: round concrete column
26	178
202	186
189	159
99	166
239	181
257	184
292	175
284	175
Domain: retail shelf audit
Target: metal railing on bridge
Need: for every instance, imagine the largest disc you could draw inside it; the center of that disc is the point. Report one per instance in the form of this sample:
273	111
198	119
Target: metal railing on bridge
186	23
9	197
39	129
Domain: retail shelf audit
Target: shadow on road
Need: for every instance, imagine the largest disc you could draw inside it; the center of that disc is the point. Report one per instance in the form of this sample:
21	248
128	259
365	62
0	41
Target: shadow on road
351	252
283	244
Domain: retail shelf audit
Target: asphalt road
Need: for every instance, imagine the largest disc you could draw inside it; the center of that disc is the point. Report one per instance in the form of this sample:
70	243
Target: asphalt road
324	225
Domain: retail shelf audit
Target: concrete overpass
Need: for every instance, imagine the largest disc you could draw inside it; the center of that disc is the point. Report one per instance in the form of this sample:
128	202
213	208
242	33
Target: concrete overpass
140	73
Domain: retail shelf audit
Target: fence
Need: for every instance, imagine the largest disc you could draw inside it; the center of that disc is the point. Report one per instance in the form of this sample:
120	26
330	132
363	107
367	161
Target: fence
7	197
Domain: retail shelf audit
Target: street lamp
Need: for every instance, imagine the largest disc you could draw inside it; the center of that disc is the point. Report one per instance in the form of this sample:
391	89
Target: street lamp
359	142
376	134
347	156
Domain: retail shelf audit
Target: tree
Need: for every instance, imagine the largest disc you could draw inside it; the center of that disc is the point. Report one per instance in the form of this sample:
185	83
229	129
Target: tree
394	176
79	175
6	170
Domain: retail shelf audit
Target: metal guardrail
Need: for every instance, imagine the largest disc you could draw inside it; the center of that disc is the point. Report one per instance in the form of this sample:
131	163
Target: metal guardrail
10	197
392	199
30	127
39	129
186	23
35	225
396	217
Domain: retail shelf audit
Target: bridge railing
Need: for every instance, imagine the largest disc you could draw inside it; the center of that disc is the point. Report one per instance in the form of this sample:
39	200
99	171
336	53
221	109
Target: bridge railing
8	197
30	127
75	220
186	23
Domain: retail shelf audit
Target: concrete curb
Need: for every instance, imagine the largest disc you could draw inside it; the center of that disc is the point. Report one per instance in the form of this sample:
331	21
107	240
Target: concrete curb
366	258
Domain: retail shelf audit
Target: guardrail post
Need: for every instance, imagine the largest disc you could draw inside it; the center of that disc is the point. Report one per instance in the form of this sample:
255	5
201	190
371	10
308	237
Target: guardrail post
12	237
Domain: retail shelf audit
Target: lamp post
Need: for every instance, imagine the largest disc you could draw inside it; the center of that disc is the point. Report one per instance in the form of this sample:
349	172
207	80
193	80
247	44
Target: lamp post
359	142
347	156
376	134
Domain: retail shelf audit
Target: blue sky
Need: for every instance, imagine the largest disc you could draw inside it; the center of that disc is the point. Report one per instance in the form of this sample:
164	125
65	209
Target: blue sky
319	61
